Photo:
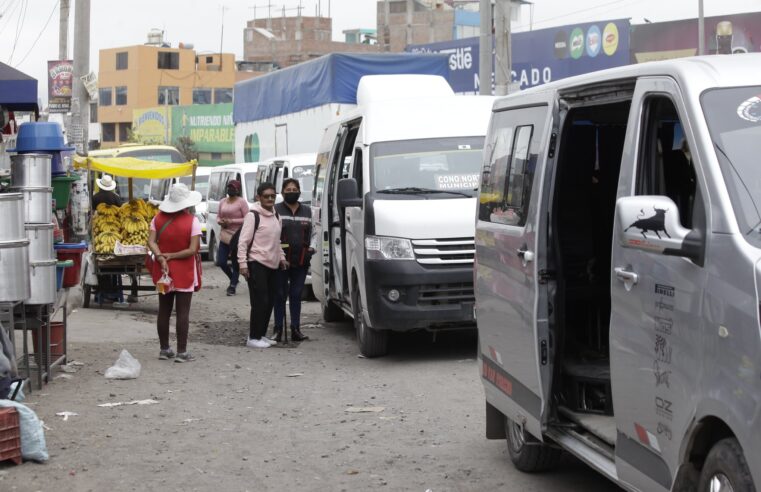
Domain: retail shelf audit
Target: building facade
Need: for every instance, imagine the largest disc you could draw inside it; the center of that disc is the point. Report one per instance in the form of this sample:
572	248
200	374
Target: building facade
145	76
280	42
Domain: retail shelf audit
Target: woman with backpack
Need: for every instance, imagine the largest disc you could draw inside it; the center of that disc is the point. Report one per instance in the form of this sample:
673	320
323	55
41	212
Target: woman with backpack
259	256
232	210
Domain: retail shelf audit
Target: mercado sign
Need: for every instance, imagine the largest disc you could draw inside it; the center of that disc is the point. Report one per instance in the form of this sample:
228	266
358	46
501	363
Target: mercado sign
150	125
60	73
210	126
540	56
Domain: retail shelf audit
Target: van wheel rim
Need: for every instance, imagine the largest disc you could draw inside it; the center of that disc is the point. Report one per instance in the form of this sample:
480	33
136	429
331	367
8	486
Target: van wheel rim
517	439
720	483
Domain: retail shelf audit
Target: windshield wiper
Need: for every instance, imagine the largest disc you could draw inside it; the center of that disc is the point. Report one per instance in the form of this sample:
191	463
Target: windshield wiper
414	190
739	177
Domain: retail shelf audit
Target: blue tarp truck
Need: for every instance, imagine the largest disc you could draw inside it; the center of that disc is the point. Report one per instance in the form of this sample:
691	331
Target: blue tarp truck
286	112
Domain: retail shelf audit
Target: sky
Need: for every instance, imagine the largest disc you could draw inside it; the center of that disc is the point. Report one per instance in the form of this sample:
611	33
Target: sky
29	28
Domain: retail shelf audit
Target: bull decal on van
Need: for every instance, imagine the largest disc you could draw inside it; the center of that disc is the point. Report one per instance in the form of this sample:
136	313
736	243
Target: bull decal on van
654	223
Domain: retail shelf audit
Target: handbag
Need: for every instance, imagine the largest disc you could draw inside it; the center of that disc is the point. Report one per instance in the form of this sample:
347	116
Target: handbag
225	236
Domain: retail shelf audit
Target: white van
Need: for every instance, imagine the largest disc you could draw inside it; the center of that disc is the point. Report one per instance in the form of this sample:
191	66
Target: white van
246	173
297	166
618	267
395	195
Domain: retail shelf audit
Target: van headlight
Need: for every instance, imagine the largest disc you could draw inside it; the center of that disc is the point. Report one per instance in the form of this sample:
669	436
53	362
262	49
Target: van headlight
388	248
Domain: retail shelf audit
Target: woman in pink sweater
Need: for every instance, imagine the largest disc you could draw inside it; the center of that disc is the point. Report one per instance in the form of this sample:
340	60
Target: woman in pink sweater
232	210
259	256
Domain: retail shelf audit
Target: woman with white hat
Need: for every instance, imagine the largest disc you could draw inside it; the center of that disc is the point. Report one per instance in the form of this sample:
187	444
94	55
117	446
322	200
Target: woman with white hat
174	240
106	185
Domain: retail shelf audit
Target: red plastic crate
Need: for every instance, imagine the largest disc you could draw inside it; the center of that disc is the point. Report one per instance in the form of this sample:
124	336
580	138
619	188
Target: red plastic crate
10	435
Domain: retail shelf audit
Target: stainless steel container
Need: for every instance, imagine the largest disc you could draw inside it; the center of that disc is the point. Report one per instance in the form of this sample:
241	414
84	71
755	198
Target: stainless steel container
43	282
40	238
11	216
38	205
14	271
31	170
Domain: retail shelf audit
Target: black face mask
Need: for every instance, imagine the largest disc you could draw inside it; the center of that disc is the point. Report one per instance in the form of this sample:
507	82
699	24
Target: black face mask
232	192
291	197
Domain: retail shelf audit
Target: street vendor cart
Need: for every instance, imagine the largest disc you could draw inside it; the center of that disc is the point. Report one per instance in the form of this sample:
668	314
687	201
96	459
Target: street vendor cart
118	235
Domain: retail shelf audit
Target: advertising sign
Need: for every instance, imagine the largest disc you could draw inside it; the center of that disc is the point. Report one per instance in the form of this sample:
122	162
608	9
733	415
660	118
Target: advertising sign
210	126
60	73
726	34
151	125
541	56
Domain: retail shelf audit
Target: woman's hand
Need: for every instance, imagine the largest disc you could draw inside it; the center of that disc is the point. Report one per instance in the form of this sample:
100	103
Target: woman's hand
244	272
163	262
222	222
283	265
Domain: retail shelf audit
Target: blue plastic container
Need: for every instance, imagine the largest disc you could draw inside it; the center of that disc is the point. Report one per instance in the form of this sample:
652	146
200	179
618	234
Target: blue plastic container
82	245
43	136
60	268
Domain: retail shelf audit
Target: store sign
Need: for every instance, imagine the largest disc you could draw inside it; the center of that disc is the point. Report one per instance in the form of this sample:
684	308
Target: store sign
91	85
540	56
210	126
60	74
150	125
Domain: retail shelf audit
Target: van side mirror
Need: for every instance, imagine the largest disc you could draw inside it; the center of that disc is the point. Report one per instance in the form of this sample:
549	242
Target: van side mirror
348	193
651	223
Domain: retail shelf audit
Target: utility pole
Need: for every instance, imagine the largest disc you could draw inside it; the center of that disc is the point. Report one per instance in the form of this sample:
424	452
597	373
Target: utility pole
502	47
701	30
386	26
80	101
63	31
410	9
485	49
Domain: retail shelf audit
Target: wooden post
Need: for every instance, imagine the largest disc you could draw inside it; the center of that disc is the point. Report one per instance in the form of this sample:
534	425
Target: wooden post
129	181
193	181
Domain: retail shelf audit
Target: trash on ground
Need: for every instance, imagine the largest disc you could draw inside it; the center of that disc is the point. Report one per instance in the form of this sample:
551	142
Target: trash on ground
295	375
66	415
75	363
364	409
69	368
133	402
33	445
63	376
126	367
352	472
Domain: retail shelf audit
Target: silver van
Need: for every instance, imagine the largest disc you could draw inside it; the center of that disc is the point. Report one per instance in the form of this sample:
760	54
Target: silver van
618	263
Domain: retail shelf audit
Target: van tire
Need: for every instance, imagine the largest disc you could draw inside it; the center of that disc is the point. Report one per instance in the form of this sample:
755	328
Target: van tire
331	312
372	343
212	254
528	454
725	461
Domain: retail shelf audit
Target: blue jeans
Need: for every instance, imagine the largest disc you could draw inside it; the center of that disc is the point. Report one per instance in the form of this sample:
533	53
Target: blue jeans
223	262
289	284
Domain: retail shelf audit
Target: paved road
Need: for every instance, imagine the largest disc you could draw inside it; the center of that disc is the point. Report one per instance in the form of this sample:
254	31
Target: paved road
275	419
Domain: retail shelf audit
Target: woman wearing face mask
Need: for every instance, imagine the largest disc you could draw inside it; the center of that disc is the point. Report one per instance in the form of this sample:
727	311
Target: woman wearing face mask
296	239
232	211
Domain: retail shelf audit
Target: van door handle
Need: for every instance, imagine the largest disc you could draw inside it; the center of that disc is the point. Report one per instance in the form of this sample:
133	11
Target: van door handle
525	255
628	277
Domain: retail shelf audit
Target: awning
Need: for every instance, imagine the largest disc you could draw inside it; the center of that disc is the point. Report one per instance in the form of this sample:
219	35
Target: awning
18	91
131	167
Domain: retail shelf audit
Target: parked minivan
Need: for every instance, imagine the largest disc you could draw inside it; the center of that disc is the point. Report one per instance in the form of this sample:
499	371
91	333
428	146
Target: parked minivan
246	173
395	194
297	166
618	264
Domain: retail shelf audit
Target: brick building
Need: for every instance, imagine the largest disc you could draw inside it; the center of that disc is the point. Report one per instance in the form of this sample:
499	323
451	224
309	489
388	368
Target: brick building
280	42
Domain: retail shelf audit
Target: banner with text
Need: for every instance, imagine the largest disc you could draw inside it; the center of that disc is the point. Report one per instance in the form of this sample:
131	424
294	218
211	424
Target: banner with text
210	126
150	125
60	74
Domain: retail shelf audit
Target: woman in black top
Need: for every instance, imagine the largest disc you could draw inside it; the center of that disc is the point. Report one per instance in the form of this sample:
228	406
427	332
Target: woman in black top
295	239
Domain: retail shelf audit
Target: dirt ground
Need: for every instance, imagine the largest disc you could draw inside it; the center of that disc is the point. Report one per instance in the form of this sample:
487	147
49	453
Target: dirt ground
278	419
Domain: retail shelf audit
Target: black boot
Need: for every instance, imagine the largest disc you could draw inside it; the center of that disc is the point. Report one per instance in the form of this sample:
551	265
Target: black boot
297	336
277	335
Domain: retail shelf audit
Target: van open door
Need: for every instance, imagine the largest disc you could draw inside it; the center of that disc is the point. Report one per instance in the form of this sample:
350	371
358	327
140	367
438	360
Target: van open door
511	262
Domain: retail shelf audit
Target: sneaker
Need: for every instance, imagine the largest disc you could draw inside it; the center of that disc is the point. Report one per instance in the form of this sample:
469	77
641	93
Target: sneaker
271	342
254	343
166	354
184	357
231	290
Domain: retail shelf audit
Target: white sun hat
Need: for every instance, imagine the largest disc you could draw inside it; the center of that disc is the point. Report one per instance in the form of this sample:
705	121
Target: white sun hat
179	198
106	183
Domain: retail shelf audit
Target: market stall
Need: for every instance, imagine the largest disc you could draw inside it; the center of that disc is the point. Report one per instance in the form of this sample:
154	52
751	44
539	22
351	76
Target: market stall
118	235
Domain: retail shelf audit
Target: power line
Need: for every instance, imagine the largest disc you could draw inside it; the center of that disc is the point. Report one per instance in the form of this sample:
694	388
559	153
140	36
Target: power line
550	19
8	13
19	28
41	32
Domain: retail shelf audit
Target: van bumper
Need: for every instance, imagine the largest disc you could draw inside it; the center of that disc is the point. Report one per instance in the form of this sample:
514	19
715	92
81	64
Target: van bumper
429	298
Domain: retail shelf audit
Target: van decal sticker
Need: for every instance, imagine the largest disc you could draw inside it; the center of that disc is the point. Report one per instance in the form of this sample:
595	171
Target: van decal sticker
664	290
646	437
510	386
750	109
655	223
661	374
495	355
663	408
643	458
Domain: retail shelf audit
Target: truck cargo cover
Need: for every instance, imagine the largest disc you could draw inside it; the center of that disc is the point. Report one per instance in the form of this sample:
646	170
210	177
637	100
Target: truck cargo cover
329	79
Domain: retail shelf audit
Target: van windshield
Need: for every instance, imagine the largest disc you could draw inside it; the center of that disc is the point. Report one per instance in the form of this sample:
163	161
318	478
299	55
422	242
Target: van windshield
734	121
442	167
202	184
305	175
250	187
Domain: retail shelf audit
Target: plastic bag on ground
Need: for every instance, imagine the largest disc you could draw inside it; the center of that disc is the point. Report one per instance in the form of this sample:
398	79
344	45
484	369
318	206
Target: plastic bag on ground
126	367
33	445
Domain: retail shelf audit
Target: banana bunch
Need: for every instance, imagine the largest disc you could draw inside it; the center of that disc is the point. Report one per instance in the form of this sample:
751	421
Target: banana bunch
106	241
105	223
135	229
109	210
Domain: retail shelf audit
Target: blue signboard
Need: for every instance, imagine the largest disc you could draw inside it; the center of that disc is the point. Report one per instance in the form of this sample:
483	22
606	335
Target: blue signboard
541	56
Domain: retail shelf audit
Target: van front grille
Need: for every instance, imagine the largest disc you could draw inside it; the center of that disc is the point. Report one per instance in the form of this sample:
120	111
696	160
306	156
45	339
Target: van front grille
441	294
452	251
